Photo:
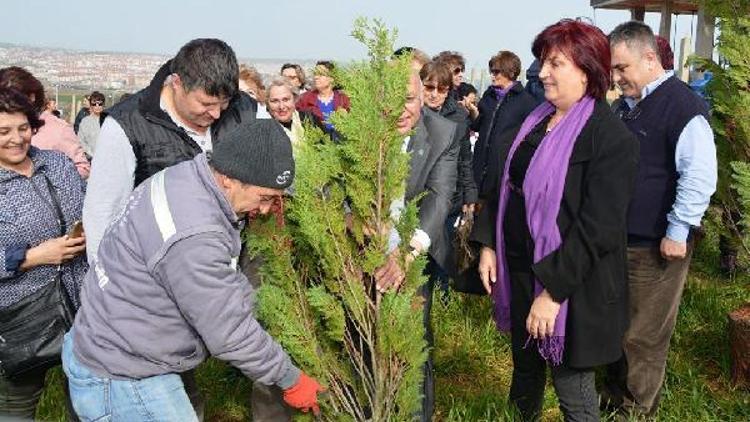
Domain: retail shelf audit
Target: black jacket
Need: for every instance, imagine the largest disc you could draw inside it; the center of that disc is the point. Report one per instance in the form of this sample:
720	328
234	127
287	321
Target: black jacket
494	120
590	267
534	85
156	140
82	113
466	188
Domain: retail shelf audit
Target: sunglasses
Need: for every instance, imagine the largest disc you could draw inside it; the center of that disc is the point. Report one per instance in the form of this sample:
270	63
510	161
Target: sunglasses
458	70
495	72
97	103
431	87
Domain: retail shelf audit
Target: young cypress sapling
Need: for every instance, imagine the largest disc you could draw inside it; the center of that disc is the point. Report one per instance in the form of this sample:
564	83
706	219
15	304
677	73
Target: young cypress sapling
318	296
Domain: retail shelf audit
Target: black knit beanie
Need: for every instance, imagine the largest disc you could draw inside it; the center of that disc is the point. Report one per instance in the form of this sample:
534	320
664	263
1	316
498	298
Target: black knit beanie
257	153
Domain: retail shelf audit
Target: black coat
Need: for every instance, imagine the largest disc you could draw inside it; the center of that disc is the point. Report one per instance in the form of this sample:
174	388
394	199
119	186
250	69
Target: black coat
466	188
494	120
590	267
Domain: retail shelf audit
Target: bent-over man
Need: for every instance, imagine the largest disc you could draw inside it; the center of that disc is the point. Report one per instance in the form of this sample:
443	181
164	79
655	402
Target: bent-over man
166	292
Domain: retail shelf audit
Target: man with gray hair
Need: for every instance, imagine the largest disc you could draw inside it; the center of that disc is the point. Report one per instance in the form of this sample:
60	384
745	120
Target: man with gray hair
676	178
433	145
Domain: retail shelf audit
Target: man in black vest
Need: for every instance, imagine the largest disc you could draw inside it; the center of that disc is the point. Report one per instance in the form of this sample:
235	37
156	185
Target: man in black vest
191	103
676	178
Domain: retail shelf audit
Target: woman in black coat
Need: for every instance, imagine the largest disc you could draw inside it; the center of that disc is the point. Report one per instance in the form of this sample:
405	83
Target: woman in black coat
504	105
436	79
556	265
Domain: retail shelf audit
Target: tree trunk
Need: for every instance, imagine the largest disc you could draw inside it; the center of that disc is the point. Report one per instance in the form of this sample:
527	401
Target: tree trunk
739	337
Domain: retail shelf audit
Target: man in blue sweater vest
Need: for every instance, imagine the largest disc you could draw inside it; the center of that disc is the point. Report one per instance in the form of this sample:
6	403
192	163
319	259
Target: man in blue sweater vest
676	178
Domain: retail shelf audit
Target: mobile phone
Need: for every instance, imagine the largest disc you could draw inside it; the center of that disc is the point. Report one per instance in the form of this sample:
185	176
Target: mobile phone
76	230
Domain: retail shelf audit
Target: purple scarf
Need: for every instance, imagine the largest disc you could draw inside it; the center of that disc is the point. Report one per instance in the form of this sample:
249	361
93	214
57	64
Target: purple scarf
500	93
543	191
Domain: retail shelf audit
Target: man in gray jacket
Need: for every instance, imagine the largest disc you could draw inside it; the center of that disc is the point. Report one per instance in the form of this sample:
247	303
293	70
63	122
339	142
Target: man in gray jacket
431	141
166	293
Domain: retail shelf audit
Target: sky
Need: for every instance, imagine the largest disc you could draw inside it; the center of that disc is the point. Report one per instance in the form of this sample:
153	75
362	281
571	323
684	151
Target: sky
302	29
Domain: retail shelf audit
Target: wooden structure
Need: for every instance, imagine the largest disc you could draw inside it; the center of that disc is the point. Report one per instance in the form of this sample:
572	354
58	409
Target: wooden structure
705	26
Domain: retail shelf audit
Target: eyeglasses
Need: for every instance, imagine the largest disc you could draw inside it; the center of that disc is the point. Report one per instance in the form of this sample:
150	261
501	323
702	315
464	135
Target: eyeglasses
458	70
495	72
431	87
97	104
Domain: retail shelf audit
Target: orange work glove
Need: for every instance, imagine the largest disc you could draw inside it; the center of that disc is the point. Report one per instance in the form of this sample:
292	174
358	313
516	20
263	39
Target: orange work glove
304	394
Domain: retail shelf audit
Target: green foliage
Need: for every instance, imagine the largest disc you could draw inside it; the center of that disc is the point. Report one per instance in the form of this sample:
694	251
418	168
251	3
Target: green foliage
741	185
328	312
727	8
318	296
729	91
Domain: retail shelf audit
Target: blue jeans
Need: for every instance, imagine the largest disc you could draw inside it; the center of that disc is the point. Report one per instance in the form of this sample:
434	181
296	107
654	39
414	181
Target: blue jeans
159	398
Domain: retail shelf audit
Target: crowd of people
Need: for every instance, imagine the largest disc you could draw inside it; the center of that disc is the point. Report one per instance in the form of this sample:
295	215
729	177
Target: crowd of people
583	211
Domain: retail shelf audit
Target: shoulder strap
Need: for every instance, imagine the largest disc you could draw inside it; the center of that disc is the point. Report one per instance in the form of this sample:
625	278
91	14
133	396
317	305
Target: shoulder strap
61	223
56	205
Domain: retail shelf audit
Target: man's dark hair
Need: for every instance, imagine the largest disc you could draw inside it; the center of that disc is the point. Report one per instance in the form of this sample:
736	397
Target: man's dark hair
96	96
325	63
465	89
403	51
417	55
208	64
286	66
634	34
13	101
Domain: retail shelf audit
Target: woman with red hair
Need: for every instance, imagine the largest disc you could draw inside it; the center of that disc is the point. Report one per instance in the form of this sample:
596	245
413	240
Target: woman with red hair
666	56
554	239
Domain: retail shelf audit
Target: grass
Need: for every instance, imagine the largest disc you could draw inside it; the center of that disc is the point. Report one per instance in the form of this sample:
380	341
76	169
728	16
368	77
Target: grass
473	364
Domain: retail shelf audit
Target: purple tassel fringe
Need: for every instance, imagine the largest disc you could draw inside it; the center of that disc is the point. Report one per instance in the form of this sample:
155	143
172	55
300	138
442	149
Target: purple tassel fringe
550	348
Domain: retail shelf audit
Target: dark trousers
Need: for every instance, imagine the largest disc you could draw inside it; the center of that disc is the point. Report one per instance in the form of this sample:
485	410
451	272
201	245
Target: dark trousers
575	388
193	393
442	275
20	396
268	405
428	387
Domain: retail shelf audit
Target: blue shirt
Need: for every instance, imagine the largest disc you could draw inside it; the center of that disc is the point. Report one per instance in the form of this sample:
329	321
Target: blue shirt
326	109
695	160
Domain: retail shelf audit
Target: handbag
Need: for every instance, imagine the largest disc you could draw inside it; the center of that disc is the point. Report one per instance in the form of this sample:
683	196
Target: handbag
32	329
